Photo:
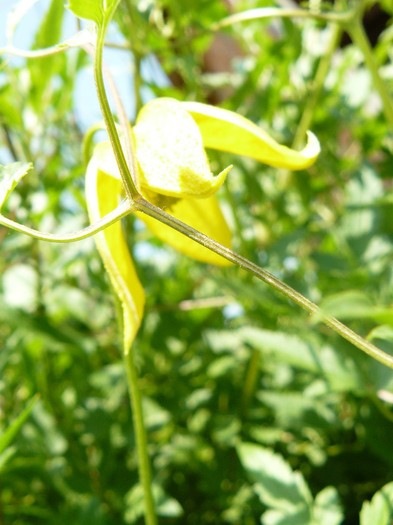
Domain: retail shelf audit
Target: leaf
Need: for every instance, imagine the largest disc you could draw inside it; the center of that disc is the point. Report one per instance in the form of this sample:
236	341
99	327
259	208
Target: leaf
378	511
327	508
170	152
277	485
102	193
42	69
9	434
355	304
89	9
165	505
10	175
340	370
227	131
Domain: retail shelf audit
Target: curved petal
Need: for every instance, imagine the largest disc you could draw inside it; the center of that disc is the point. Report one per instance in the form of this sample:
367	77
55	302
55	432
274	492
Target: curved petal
102	193
170	152
202	214
227	131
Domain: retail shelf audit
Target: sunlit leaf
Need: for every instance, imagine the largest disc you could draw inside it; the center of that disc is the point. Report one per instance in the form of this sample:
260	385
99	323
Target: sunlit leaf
10	175
89	9
277	485
327	508
378	511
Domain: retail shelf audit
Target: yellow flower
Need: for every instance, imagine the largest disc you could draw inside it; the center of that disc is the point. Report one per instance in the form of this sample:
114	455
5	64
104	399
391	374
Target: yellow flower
174	173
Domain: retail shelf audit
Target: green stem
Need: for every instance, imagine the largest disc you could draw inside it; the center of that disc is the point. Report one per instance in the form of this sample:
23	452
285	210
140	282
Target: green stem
129	185
137	82
270	12
149	209
140	436
358	35
135	48
132	194
250	381
121	211
314	95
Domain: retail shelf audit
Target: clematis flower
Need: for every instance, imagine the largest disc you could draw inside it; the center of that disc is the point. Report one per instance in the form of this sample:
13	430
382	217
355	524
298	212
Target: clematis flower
173	172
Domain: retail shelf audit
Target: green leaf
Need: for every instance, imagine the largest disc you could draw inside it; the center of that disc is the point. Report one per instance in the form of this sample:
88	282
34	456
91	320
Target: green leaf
89	9
378	511
42	69
166	506
327	508
341	372
10	175
7	436
355	304
277	485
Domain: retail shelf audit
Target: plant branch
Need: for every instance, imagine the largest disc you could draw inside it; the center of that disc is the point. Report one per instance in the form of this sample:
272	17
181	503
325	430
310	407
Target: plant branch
270	12
121	211
149	209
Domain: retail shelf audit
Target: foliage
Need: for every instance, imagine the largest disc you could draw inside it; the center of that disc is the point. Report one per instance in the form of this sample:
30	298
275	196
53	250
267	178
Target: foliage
254	412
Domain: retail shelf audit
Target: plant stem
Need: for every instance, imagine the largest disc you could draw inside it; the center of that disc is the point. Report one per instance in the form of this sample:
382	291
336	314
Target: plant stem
250	381
140	436
122	210
312	100
132	194
270	12
149	209
316	88
127	179
358	35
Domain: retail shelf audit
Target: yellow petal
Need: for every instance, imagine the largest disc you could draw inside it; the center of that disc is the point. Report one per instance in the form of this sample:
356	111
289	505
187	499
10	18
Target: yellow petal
102	193
227	131
170	152
203	215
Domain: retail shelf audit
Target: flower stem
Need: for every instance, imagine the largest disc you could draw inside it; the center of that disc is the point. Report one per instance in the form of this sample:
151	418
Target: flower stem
140	436
345	332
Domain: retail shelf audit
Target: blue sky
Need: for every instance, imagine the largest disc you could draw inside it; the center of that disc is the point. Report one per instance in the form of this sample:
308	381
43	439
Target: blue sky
86	105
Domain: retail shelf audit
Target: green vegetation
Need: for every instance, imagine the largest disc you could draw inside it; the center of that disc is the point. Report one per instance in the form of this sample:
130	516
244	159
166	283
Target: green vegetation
253	410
